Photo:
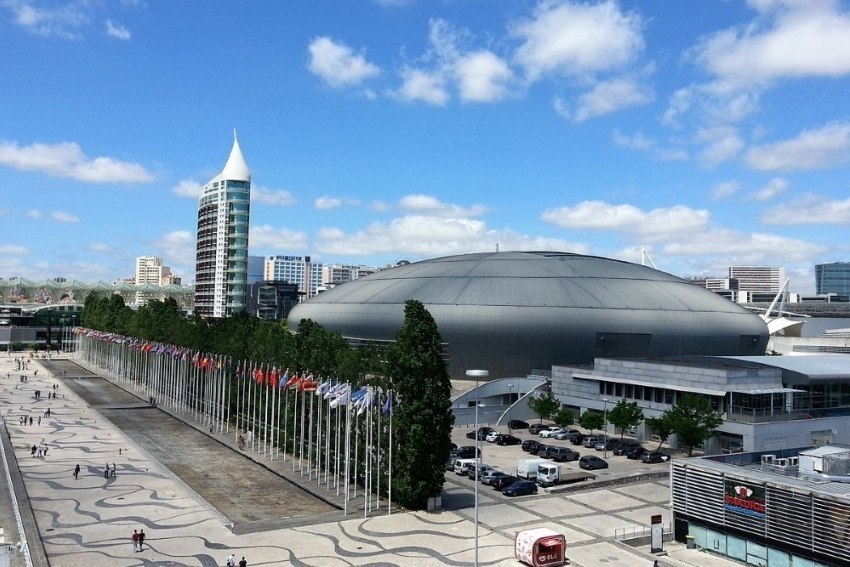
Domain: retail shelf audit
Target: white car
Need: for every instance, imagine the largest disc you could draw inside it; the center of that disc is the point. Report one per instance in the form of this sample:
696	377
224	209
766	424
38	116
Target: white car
551	431
491	437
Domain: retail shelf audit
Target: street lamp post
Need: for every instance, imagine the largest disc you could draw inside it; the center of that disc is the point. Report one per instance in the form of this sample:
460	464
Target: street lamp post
477	374
605	449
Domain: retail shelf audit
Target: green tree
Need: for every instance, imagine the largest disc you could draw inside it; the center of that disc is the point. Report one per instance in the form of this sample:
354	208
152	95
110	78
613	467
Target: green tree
624	415
662	426
423	419
544	405
591	420
563	418
693	420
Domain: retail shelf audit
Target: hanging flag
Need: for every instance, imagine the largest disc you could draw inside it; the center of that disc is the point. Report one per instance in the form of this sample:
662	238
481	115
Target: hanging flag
283	379
388	404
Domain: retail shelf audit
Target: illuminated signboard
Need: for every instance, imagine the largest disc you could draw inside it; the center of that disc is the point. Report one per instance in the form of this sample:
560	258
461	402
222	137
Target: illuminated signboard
744	498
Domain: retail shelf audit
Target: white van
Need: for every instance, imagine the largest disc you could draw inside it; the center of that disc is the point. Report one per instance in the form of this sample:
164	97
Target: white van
460	465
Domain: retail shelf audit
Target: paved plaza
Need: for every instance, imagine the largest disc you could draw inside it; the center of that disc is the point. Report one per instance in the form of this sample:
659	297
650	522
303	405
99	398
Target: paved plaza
198	498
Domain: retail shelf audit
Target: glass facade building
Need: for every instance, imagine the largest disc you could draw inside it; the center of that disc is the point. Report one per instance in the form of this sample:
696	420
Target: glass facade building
833	278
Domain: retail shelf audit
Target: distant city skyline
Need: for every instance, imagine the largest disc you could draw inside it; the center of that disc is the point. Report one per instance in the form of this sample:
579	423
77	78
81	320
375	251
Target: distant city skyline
707	133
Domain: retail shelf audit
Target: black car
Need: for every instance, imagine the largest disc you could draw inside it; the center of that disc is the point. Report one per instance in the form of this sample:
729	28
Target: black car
560	454
577	438
655	457
503	482
536	428
608	445
623	447
636	452
508	439
541	450
464	452
591	463
517	424
483	432
521	488
530	446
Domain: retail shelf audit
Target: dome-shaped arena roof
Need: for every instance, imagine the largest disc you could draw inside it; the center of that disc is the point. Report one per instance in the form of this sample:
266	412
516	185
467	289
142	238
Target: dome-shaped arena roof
513	312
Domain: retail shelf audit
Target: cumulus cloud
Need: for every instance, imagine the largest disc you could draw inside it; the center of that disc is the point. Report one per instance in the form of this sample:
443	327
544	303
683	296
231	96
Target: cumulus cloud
327	203
13	249
577	39
774	188
34	214
482	77
419	85
430	205
266	196
427	236
740	247
724	190
188	188
267	237
63	21
722	143
338	65
640	142
117	31
64	217
178	246
67	160
812	149
610	96
809	210
653	224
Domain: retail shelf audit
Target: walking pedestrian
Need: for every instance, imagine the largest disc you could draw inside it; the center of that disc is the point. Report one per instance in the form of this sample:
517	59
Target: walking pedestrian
135	540
30	420
112	473
34	449
141	540
106	470
39	420
243	563
77	471
231	561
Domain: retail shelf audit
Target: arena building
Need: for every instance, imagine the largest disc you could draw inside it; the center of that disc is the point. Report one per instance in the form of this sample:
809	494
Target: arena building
514	312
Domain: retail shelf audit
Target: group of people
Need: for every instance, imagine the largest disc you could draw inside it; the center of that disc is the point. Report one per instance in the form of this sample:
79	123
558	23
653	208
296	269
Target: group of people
109	472
138	540
39	450
24	420
231	562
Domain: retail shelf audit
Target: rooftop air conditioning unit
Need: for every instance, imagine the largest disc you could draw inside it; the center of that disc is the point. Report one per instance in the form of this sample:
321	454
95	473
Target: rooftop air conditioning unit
768	459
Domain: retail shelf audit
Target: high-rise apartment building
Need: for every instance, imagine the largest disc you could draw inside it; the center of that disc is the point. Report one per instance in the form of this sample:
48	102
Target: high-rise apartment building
335	274
149	270
221	260
295	270
833	277
758	279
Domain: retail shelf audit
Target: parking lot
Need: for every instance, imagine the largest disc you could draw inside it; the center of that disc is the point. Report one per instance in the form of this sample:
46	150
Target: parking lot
506	458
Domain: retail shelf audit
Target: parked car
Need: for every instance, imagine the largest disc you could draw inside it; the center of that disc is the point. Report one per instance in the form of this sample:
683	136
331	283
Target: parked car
577	438
592	463
590	442
608	445
482	468
548	432
564	434
508	439
483	432
491	437
560	454
541	450
487	477
530	446
465	452
623	447
536	428
517	424
655	457
636	452
521	488
502	482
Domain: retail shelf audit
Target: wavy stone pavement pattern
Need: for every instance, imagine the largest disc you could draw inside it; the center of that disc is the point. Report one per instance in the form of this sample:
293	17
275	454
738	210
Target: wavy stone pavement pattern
88	521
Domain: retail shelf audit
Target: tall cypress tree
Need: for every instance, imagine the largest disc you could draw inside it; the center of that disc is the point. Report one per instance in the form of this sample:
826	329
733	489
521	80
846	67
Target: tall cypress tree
423	419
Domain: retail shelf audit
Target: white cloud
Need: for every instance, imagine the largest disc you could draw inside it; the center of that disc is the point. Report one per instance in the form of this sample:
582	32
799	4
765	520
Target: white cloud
774	187
266	196
188	188
327	203
576	39
809	210
482	77
338	65
423	86
642	143
724	190
653	224
63	21
790	39
722	144
178	247
64	217
431	206
737	247
13	249
610	96
427	236
98	247
812	149
117	30
66	159
34	214
267	237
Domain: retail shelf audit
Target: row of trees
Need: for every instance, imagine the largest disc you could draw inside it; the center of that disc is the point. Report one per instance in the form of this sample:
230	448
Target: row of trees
412	367
692	418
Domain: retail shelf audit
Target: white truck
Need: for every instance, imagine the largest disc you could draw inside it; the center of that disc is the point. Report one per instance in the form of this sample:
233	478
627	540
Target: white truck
550	474
527	468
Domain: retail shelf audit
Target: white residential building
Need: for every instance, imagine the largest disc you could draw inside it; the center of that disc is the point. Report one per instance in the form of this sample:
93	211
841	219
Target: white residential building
758	279
299	270
149	270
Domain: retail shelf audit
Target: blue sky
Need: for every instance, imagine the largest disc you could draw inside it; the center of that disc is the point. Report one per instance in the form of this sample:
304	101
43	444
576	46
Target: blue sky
706	132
